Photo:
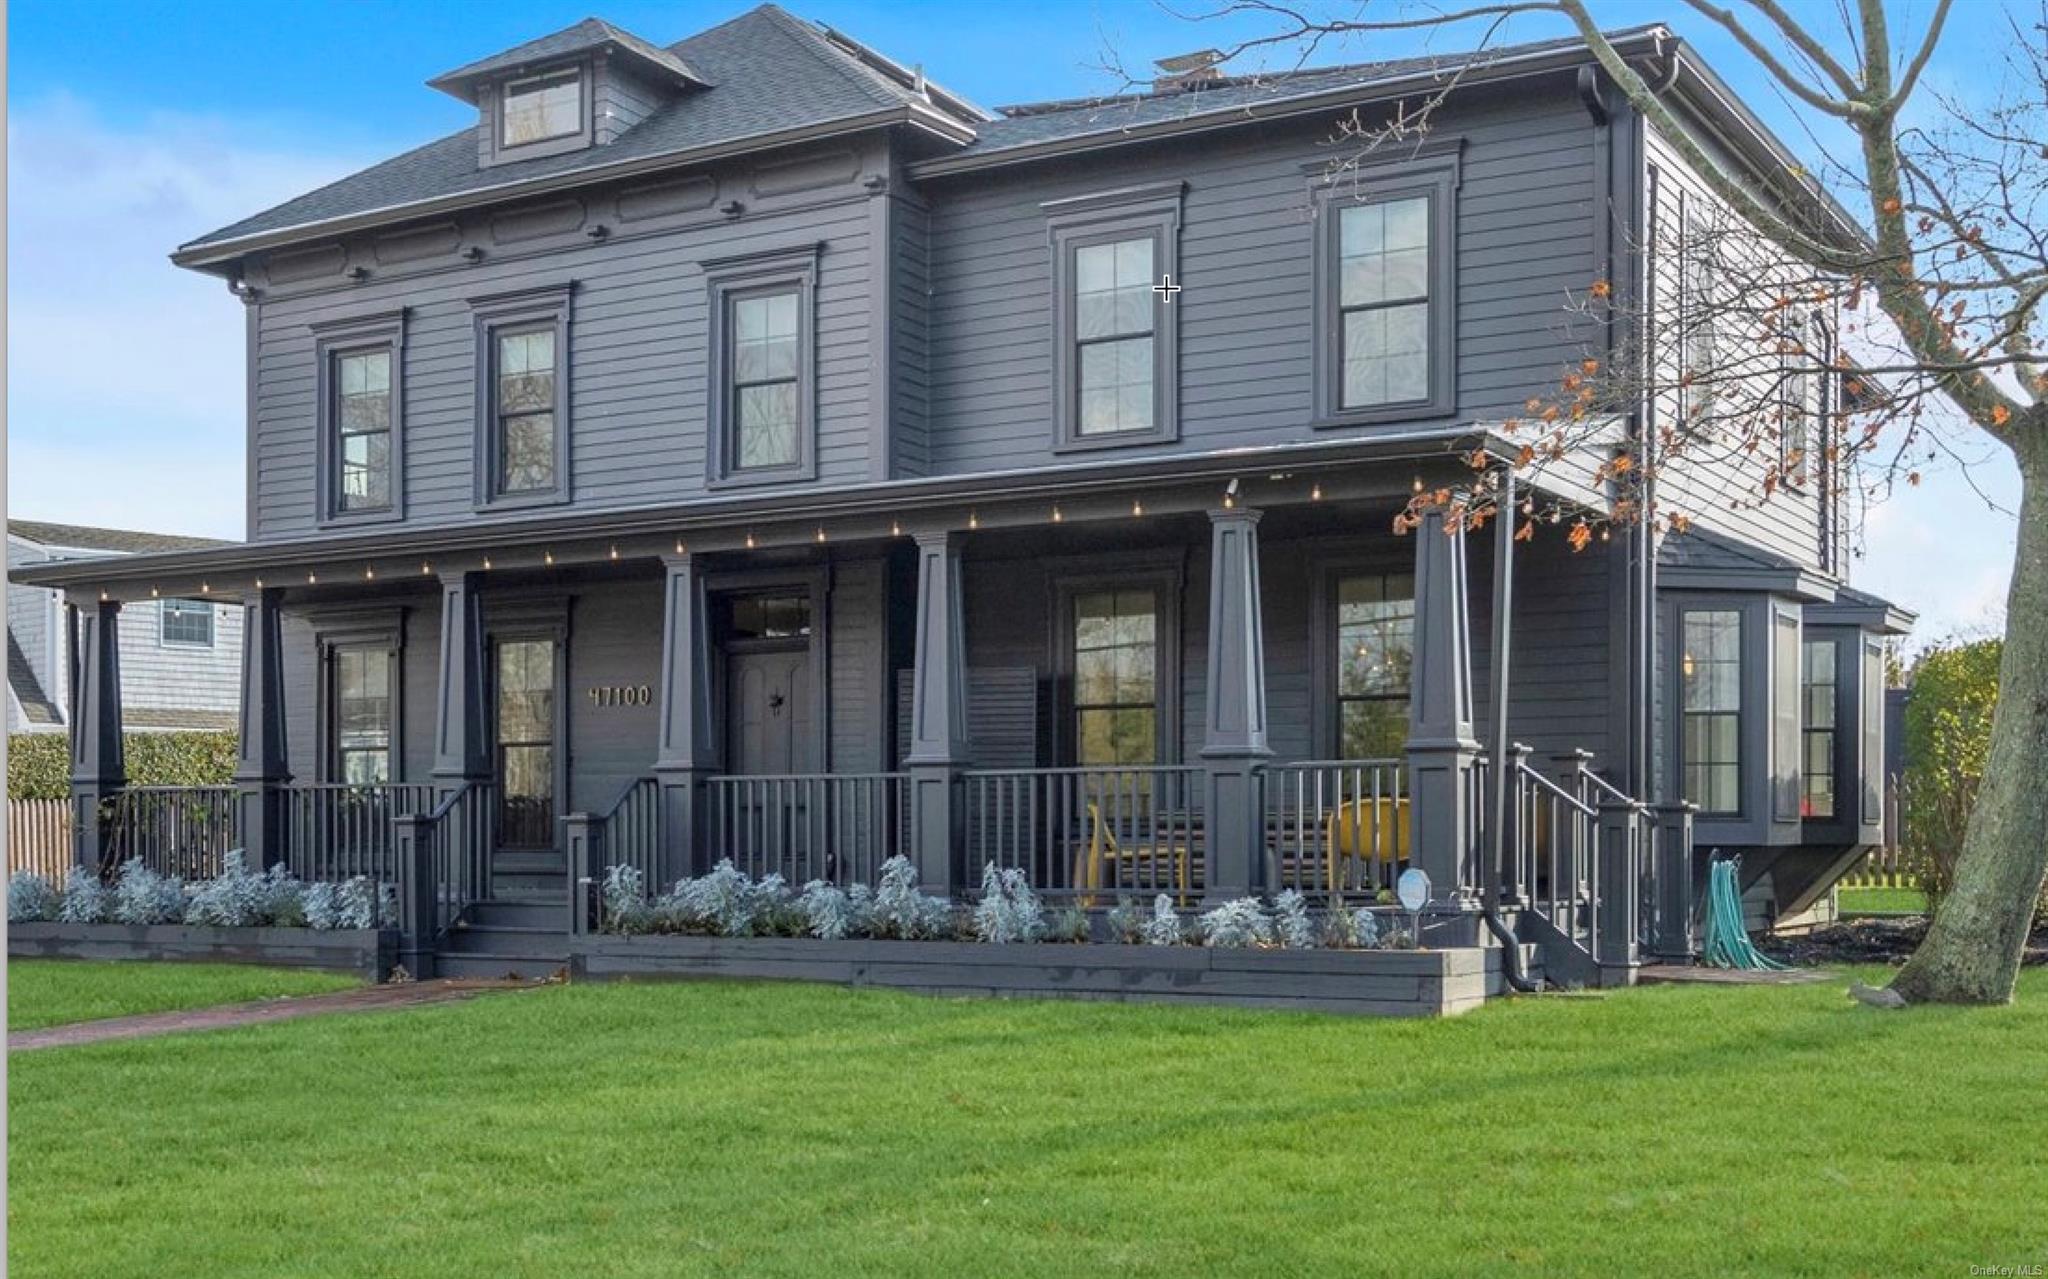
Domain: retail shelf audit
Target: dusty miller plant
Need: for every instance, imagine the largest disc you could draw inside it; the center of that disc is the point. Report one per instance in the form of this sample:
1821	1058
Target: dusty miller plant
87	900
31	898
141	896
1351	928
1164	928
1068	926
622	901
723	902
321	906
1126	921
233	899
831	913
1237	924
903	913
1292	927
1008	910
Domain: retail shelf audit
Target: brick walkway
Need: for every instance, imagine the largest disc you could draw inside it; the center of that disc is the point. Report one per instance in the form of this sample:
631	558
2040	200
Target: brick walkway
146	1025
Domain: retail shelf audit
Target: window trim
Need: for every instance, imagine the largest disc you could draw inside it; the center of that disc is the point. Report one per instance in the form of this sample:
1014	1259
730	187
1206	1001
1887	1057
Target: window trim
163	621
1742	711
495	93
385	629
1435	171
527	308
356	335
727	280
1103	217
1165	577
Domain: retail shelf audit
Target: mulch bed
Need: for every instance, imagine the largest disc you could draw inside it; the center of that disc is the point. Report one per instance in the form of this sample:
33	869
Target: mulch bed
1870	941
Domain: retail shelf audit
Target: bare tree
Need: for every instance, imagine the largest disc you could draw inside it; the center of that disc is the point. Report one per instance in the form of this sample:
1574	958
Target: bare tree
1843	326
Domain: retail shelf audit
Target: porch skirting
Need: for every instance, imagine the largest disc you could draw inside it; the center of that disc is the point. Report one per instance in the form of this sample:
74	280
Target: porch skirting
367	952
1397	983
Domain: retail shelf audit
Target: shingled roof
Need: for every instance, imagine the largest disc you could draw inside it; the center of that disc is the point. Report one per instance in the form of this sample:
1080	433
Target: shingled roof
772	73
81	537
586	36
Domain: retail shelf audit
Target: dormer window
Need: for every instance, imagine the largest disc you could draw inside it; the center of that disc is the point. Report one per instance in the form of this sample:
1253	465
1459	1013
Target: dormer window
543	107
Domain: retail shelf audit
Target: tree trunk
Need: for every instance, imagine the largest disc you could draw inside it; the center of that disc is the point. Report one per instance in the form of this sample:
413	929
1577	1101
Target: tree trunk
1972	951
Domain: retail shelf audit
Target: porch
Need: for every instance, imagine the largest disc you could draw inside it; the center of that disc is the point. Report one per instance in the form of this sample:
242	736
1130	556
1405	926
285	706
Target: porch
961	690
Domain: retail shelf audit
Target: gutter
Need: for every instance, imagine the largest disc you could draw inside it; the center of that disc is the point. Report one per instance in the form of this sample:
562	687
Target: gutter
873	497
201	254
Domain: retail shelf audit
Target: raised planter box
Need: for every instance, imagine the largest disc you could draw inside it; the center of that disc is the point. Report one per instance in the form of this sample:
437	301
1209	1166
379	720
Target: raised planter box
368	952
1401	983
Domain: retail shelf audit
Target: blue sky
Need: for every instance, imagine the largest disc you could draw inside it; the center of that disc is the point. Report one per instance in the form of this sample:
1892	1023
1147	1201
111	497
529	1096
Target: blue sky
133	126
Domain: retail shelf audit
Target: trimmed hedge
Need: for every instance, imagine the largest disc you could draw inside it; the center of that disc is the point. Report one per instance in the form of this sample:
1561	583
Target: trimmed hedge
39	764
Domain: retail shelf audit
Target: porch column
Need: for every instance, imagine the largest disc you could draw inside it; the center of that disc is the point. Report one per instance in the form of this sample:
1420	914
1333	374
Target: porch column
938	714
1674	884
686	754
1234	721
260	769
1442	751
99	768
461	748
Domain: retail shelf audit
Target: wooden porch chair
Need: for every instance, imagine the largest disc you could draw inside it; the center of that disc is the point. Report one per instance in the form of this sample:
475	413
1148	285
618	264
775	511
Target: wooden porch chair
1370	830
1103	848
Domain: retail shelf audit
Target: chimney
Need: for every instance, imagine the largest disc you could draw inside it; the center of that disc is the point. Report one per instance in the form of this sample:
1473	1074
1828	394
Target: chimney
1188	71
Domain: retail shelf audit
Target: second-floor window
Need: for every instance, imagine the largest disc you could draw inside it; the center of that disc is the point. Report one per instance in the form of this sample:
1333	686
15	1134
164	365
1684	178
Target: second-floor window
1116	303
187	622
362	429
1386	291
522	439
763	382
542	107
1710	708
523	391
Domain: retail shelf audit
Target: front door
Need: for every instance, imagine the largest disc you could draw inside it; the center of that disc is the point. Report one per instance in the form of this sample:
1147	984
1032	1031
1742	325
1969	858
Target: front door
768	696
524	675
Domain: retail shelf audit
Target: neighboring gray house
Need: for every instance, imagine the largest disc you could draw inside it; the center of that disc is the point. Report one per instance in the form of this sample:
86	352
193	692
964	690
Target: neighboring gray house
748	448
181	659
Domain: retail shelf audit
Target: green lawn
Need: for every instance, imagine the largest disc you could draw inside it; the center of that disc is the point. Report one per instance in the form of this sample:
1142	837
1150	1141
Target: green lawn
808	1131
1856	901
49	992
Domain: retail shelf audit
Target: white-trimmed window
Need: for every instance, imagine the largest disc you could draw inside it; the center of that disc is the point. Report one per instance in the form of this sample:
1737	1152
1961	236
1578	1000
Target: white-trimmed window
187	622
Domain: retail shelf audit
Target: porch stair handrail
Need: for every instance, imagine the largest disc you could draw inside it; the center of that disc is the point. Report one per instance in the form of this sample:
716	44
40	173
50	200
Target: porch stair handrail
629	832
444	864
1580	849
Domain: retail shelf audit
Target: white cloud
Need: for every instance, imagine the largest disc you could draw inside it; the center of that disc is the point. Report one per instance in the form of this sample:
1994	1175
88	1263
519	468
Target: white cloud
125	391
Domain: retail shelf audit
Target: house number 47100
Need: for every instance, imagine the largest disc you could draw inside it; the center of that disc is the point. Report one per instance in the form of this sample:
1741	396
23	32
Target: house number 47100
621	695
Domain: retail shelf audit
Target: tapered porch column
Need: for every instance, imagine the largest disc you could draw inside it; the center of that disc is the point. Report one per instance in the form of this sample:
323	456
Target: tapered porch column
1234	720
260	769
461	744
1442	751
99	768
686	753
938	714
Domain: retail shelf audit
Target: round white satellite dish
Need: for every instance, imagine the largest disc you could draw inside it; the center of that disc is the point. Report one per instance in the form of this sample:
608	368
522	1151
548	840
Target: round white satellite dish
1413	889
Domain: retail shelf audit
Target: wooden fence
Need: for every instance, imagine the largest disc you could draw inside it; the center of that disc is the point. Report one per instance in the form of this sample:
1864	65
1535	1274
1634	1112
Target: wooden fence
39	837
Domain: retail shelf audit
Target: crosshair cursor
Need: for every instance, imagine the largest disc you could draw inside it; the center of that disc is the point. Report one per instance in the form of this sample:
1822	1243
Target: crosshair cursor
1166	288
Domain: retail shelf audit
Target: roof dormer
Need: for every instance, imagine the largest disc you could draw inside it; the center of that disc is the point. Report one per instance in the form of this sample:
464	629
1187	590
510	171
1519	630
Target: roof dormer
583	86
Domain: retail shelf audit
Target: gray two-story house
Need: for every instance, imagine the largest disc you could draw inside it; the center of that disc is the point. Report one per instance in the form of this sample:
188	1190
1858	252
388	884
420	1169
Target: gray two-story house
748	448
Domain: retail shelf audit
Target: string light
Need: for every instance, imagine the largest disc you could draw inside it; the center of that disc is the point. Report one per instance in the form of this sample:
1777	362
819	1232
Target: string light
1315	492
821	535
1137	507
547	558
1418	484
103	595
259	583
895	528
750	541
1057	516
487	563
369	574
204	589
152	592
426	569
311	579
680	549
615	552
973	519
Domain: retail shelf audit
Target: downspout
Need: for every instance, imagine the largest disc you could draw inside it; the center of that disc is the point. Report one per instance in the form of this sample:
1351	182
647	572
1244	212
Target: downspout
1497	823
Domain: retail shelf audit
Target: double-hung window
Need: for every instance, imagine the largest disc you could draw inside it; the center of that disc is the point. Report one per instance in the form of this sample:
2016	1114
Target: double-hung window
1375	657
1710	708
1817	729
541	108
363	703
1116	302
1386	291
361	415
762	394
522	395
187	622
1116	676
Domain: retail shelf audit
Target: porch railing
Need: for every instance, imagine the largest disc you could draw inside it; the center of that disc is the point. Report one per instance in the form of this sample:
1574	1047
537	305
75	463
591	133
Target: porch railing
333	832
1090	834
631	831
837	827
1336	828
458	835
184	831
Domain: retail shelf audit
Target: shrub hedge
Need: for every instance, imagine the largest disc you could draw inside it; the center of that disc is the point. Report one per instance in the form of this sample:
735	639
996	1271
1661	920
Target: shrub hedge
39	764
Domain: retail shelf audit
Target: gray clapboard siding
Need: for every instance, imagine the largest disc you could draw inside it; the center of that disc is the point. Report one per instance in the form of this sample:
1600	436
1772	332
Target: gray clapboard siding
856	688
614	641
1525	237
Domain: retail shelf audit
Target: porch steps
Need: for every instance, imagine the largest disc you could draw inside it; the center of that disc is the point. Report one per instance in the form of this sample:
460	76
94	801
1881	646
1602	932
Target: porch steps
497	938
536	876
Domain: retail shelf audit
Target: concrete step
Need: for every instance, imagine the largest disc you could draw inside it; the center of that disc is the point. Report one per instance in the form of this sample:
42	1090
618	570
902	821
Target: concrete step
552	915
531	888
500	940
544	862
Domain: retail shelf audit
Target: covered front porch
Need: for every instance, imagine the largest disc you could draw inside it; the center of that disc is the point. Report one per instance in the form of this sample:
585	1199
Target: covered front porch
1203	686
